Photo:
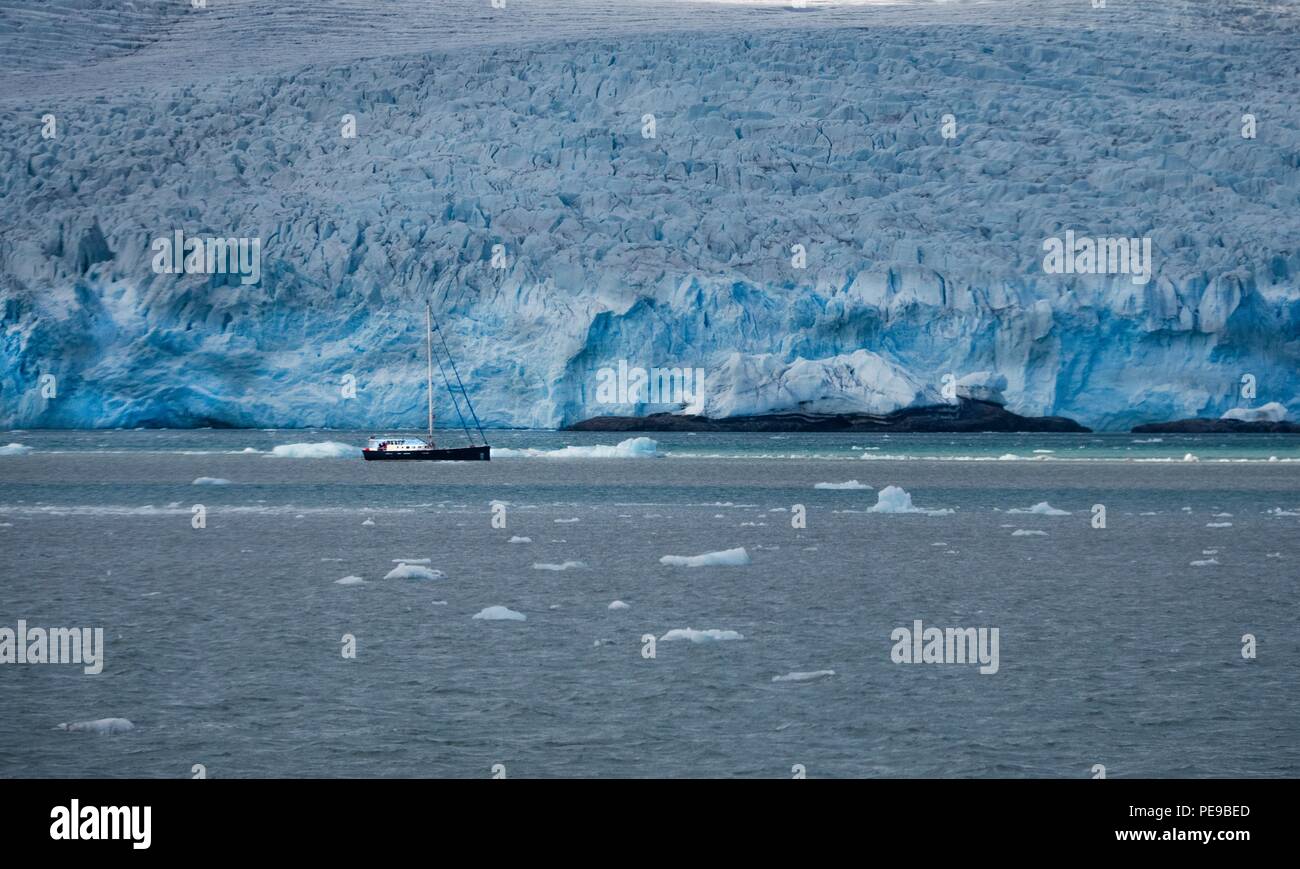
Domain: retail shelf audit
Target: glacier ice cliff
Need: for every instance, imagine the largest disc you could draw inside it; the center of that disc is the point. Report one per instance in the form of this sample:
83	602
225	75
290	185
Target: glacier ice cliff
839	207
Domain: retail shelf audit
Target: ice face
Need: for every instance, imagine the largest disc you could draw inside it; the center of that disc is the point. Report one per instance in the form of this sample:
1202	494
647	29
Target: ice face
794	219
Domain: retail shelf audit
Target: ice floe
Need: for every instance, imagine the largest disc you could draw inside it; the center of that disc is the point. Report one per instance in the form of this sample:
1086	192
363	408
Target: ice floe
712	635
619	605
849	485
567	565
1028	532
210	481
1042	508
14	450
518	539
413	571
803	677
325	450
632	448
723	558
349	580
102	726
499	613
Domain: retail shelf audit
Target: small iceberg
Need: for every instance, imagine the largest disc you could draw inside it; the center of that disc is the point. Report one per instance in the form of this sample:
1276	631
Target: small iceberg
102	726
1028	532
1205	562
893	499
499	613
349	580
412	561
1042	508
413	571
619	605
712	635
326	450
632	448
14	450
568	565
803	677
210	481
726	558
848	485
518	539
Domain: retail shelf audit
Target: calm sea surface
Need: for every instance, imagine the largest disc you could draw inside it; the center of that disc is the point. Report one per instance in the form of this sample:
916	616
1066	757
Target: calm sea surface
1119	646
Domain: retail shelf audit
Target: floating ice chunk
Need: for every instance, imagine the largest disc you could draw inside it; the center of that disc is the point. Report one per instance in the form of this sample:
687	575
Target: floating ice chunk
438	602
712	635
567	521
893	499
412	561
499	613
803	677
1206	562
349	580
367	522
413	571
1278	511
1028	532
102	726
210	481
518	539
568	565
1218	524
1271	412
325	450
1042	508
619	605
1190	458
851	484
1222	515
632	448
1209	552
14	450
724	558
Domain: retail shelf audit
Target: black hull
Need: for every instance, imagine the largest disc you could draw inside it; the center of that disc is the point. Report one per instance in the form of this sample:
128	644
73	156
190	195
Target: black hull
462	454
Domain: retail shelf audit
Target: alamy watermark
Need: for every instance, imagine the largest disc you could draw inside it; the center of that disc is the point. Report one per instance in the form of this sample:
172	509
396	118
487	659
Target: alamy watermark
25	645
634	385
922	645
178	255
1082	255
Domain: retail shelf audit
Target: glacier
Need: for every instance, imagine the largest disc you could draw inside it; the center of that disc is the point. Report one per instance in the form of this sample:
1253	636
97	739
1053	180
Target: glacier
768	193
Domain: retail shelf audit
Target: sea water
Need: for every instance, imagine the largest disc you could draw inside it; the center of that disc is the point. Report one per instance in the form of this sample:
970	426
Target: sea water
234	645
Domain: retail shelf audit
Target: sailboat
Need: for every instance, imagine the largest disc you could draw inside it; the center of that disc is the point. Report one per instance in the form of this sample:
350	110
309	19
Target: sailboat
405	448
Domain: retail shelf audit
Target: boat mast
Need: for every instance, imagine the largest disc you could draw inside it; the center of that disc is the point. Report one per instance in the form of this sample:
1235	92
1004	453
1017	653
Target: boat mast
428	339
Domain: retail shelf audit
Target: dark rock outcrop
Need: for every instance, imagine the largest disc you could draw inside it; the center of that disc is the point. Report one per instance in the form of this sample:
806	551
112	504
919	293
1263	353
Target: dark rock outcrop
1201	425
968	415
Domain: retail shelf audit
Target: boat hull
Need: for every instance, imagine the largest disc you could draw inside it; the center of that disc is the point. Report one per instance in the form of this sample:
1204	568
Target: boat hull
460	454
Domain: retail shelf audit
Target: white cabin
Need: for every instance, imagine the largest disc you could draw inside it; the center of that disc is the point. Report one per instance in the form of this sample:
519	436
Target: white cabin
393	444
